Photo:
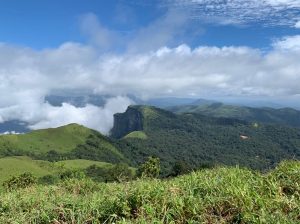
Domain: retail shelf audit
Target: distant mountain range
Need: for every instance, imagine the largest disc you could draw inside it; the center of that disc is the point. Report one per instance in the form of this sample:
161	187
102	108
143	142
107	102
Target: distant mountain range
282	116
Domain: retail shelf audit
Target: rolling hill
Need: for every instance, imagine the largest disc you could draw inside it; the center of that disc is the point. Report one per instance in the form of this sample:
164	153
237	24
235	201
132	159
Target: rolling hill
200	140
282	116
17	165
72	141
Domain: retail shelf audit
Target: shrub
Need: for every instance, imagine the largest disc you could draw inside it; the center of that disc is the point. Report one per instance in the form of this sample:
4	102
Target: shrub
150	168
180	168
22	181
48	179
121	172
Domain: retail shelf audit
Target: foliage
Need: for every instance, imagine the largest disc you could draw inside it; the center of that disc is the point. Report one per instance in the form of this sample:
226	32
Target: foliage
115	173
283	116
180	168
22	181
218	195
200	140
149	168
63	143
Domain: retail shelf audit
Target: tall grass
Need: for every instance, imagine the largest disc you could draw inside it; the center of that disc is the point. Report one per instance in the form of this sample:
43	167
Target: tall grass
219	195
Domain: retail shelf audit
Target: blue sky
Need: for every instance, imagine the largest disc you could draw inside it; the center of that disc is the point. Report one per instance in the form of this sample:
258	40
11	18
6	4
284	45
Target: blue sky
242	50
40	24
43	24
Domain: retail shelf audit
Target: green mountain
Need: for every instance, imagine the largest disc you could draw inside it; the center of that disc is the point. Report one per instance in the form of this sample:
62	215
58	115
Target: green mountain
283	116
67	142
200	140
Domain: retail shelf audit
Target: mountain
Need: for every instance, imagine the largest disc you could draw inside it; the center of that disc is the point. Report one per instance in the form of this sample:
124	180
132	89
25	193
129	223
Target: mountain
282	116
200	140
67	142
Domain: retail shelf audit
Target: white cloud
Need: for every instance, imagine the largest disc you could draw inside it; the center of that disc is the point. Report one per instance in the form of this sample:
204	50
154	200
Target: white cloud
297	25
98	118
289	43
98	34
10	133
266	12
27	75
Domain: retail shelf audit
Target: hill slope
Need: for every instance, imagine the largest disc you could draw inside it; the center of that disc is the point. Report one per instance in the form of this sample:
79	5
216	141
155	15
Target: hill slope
200	140
283	116
66	142
17	165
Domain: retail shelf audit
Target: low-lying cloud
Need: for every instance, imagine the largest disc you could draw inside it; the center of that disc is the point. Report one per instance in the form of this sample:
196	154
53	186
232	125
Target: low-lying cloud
28	75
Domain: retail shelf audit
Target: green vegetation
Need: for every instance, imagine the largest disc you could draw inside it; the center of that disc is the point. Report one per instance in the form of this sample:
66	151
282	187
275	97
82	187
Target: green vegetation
136	134
202	141
14	166
283	116
64	143
46	171
62	139
81	164
218	195
150	168
22	181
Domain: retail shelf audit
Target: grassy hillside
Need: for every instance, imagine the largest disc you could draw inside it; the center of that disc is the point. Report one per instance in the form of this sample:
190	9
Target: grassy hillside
16	165
200	140
72	141
136	134
220	195
62	139
283	116
12	166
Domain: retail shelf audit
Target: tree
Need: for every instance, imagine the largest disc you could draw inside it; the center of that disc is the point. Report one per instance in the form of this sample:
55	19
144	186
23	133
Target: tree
180	168
150	168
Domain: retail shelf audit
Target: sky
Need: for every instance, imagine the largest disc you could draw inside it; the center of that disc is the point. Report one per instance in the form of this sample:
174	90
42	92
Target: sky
241	49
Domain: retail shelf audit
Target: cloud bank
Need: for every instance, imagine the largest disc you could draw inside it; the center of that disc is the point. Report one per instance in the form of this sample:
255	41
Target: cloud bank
26	76
150	66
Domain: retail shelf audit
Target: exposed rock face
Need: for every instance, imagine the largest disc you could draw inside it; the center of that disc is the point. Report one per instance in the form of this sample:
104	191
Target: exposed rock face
124	123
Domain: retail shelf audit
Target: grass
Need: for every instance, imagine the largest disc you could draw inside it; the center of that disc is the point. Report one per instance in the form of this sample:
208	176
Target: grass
219	195
16	165
62	139
81	164
12	166
137	134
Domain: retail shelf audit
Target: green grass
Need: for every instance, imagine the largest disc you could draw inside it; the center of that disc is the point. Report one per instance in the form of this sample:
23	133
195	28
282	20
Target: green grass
137	134
12	166
62	139
81	164
16	165
220	195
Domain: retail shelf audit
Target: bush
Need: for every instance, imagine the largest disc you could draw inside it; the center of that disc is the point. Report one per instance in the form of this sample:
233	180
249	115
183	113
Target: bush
150	168
48	179
117	173
22	181
121	172
180	168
